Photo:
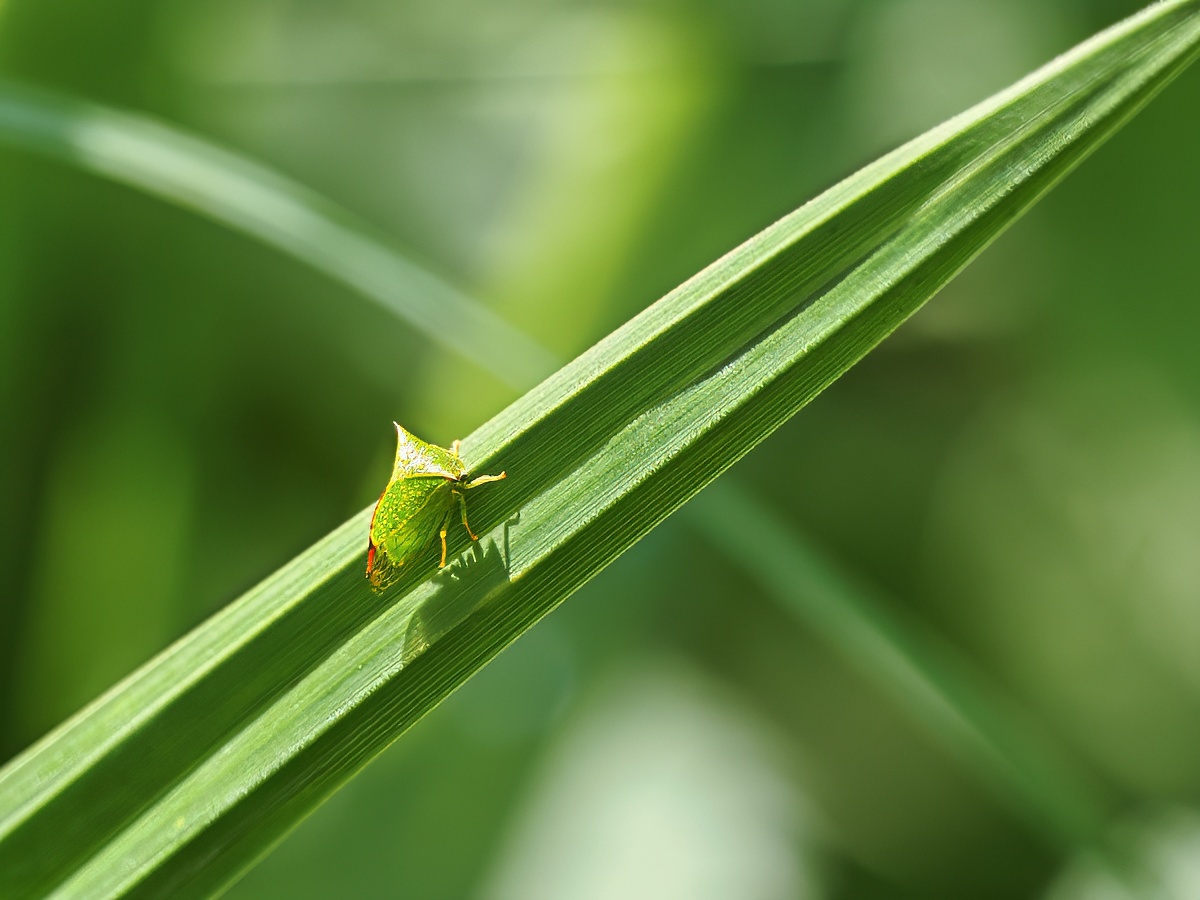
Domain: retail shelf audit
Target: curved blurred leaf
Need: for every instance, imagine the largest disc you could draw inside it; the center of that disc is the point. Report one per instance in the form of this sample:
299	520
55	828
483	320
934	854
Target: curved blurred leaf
258	201
182	775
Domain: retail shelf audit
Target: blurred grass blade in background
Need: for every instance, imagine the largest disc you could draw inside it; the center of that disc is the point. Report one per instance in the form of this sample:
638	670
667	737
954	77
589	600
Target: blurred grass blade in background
924	676
231	189
181	776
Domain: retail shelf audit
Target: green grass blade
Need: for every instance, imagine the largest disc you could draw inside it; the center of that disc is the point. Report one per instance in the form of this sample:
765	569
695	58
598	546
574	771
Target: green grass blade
242	194
179	777
922	674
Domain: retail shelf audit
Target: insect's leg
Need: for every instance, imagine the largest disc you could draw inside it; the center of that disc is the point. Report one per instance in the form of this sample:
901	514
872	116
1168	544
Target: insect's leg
454	447
442	535
484	479
462	504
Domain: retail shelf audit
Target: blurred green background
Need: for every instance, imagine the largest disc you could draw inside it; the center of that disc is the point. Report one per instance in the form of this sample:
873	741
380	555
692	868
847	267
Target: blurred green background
1017	470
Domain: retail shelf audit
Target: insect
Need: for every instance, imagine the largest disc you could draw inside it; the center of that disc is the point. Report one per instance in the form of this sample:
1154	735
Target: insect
426	482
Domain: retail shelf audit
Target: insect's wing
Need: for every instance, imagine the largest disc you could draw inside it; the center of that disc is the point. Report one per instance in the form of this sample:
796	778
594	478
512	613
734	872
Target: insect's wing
416	457
407	516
